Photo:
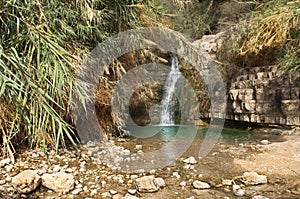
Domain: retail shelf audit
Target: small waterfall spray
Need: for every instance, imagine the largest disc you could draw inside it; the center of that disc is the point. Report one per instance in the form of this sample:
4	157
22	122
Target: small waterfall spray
167	114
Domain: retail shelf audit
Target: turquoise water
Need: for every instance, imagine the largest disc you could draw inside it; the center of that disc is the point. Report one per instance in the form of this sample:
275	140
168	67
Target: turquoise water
166	133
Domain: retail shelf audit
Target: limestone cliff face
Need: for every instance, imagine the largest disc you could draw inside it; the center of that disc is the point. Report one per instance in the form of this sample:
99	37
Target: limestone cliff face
259	94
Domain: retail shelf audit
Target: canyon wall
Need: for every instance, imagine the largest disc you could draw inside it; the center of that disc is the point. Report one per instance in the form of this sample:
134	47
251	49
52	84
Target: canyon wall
258	94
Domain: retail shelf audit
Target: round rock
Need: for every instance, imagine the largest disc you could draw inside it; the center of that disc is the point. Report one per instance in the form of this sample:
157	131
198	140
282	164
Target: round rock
26	181
59	182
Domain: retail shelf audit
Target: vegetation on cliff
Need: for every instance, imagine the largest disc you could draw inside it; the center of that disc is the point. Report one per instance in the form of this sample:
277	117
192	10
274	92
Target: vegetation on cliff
271	35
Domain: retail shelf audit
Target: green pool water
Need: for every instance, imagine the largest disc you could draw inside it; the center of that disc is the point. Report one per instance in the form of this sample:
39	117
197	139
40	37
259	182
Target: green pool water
166	133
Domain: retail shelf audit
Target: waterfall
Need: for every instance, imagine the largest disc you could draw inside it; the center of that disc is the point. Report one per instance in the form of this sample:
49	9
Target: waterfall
167	115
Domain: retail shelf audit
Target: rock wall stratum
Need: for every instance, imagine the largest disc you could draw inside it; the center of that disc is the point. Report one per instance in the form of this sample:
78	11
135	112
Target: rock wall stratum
261	94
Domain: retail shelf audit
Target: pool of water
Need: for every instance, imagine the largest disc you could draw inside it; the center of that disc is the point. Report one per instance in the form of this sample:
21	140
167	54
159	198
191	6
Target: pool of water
161	134
174	141
166	144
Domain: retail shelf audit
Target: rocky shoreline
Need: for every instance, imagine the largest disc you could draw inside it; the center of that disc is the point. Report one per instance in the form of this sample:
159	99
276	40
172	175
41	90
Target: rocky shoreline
83	173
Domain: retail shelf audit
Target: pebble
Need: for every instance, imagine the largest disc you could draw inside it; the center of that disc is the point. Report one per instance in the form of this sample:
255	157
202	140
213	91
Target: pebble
159	182
190	160
76	191
8	179
176	175
227	182
85	189
146	184
237	190
152	172
56	168
259	197
183	183
200	185
8	168
252	178
126	152
128	196
132	191
4	162
113	192
265	142
104	195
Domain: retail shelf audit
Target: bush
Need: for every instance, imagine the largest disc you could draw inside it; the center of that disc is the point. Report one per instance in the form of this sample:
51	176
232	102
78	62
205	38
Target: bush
42	44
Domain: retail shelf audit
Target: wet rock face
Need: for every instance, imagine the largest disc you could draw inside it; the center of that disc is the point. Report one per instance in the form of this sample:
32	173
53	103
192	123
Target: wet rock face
59	182
252	178
26	181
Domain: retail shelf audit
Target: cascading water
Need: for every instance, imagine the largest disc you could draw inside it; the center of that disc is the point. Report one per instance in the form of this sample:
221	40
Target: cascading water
167	114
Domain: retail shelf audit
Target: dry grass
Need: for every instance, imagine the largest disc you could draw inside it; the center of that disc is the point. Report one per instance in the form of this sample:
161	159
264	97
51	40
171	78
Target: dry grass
6	119
270	31
270	36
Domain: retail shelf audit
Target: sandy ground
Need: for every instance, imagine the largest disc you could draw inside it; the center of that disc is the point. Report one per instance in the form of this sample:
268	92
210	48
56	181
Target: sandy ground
278	159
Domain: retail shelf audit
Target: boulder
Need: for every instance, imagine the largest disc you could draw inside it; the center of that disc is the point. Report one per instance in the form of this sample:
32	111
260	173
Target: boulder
60	182
252	178
26	181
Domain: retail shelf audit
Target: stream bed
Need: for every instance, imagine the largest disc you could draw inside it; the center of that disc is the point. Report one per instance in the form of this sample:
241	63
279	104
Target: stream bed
97	175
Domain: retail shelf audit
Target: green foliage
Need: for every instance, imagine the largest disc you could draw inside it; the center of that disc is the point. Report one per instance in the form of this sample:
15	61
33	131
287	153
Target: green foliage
190	17
41	44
